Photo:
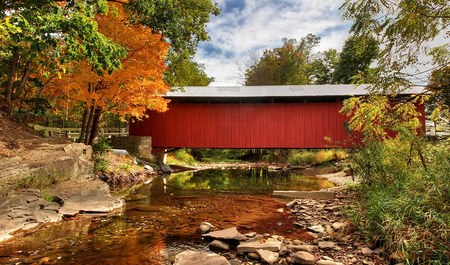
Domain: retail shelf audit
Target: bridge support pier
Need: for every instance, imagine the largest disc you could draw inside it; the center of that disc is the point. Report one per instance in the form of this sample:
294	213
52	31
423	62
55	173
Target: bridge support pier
140	146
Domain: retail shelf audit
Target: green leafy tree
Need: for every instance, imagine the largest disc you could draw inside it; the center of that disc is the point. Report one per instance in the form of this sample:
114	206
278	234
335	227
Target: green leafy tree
182	23
404	29
45	36
356	56
186	73
323	67
286	65
439	104
402	173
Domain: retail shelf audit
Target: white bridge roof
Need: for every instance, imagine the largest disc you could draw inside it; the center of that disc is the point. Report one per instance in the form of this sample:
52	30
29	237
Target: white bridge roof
279	91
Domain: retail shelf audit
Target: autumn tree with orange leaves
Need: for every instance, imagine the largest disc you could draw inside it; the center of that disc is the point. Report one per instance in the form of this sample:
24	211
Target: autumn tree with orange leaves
129	91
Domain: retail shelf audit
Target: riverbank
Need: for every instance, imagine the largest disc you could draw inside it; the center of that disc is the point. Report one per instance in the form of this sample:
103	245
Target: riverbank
45	180
329	239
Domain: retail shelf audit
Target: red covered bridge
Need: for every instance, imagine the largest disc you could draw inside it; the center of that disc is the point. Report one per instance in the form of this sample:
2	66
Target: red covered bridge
252	117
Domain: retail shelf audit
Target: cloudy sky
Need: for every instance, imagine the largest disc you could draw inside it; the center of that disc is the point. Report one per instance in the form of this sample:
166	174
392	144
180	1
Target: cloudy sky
249	26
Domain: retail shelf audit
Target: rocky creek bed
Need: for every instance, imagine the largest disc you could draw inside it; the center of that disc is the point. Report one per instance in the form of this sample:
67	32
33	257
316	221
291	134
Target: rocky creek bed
331	240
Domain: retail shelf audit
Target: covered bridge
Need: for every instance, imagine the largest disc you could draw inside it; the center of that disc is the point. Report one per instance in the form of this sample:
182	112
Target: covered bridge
303	116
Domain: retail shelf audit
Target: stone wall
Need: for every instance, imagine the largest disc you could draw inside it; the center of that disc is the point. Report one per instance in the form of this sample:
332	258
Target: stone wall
140	146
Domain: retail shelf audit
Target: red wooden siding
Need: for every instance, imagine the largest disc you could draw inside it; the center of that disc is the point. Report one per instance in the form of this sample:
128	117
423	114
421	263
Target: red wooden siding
244	125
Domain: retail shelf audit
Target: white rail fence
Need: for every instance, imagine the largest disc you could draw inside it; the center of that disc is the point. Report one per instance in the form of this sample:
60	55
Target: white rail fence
74	133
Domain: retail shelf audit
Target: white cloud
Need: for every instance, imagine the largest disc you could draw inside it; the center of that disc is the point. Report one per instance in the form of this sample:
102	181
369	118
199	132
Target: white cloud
261	24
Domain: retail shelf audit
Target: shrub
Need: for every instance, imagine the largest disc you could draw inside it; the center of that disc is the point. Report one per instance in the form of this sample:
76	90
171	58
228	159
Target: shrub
100	148
405	198
180	157
314	157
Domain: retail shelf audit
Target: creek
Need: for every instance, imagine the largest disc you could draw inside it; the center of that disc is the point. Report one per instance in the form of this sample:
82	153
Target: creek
161	219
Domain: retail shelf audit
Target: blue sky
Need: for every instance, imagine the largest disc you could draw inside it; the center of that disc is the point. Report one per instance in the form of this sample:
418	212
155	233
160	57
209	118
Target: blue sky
250	26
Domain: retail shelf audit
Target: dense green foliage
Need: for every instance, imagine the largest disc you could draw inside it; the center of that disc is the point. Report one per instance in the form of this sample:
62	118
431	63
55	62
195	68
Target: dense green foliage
186	73
287	65
315	157
181	157
405	199
405	194
295	63
405	29
355	58
323	67
182	22
100	149
40	37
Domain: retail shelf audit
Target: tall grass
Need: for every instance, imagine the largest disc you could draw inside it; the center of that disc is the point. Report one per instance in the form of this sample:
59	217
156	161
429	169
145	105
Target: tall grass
405	198
314	157
181	157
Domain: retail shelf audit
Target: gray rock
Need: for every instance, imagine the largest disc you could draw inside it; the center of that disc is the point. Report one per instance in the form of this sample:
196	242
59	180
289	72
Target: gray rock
250	235
227	234
235	262
279	210
316	229
254	244
267	256
284	251
253	255
302	257
316	195
149	168
219	245
292	203
332	208
338	225
366	251
166	169
296	248
52	206
326	245
75	205
328	262
205	227
51	216
195	258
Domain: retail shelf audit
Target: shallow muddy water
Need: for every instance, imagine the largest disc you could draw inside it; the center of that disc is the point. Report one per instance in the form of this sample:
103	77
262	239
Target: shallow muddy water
161	219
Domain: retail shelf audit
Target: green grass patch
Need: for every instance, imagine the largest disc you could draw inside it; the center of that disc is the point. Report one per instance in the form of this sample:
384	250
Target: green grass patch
37	181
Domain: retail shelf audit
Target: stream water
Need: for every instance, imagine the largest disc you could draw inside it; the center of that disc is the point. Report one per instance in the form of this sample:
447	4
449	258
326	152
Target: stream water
161	219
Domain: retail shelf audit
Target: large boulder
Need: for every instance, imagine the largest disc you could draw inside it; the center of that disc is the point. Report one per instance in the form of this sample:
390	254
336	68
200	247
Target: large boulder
205	227
303	257
267	256
253	245
190	257
219	245
327	245
226	234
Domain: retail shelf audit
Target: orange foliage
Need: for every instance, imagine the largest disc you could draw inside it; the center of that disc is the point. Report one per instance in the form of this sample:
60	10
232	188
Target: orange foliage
137	86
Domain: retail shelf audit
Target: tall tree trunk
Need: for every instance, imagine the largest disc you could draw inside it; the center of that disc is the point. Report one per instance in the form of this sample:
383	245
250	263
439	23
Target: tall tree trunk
95	125
12	74
89	125
83	124
24	80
